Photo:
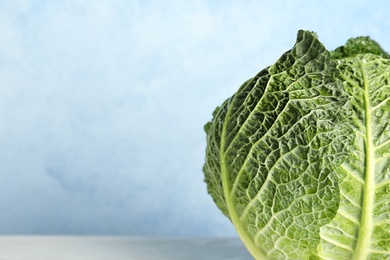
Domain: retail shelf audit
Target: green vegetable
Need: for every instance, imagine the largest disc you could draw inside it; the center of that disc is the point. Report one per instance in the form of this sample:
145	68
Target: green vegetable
299	157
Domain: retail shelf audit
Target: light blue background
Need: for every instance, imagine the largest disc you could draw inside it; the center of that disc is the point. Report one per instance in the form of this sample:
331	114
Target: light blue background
102	104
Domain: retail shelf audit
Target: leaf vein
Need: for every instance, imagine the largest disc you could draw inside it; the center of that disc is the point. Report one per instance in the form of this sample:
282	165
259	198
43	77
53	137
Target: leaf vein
350	173
336	243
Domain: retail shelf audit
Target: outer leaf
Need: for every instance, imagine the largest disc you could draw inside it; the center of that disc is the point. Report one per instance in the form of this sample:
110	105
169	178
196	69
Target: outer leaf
274	147
361	228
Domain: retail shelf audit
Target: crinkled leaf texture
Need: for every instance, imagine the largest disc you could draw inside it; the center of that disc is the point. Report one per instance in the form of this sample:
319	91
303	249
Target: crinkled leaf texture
299	157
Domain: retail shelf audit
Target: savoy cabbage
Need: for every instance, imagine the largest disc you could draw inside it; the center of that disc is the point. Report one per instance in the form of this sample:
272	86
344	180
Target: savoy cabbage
299	157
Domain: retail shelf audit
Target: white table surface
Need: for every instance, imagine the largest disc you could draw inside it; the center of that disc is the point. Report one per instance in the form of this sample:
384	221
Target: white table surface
120	248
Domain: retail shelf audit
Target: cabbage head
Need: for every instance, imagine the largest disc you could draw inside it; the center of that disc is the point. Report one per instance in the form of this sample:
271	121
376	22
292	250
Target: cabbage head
299	157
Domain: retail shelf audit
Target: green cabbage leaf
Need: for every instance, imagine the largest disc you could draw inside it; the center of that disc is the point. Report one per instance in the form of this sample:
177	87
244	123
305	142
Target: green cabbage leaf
299	157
